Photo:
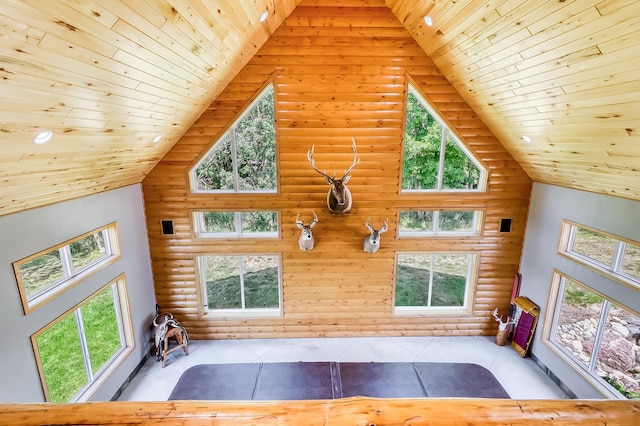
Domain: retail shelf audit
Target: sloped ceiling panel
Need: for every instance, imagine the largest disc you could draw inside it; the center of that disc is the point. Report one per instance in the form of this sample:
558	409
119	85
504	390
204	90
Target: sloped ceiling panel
565	73
108	77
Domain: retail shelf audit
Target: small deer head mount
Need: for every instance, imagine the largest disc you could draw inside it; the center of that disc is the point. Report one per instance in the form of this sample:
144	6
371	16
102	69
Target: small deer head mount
372	241
306	240
503	325
339	197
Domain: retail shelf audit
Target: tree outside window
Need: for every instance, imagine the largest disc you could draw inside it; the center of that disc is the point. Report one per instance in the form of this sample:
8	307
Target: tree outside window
434	159
229	224
421	223
244	158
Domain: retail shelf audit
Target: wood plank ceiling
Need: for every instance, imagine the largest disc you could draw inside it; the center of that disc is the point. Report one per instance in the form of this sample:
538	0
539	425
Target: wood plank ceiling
108	76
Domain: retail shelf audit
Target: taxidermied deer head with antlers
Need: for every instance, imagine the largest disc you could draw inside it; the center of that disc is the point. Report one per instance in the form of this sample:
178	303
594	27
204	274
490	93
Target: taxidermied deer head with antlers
502	325
306	240
339	197
372	242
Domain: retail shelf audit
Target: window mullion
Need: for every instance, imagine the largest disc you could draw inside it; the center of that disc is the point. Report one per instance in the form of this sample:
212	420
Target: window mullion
118	309
238	220
470	266
618	255
429	290
67	261
242	282
234	159
572	238
203	277
107	242
598	337
83	345
443	147
556	310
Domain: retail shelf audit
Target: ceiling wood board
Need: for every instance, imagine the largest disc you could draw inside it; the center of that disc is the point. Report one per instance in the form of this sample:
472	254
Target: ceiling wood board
107	76
562	73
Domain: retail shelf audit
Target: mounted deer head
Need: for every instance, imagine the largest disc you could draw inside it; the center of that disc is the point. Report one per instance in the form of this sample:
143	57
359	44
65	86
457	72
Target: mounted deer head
372	242
502	325
306	240
339	197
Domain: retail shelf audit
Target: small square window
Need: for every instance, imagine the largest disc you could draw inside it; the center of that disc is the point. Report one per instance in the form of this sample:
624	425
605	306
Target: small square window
226	224
421	223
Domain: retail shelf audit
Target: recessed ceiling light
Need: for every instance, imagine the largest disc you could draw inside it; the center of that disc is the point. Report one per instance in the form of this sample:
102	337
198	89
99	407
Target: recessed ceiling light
157	139
428	20
527	139
264	16
42	136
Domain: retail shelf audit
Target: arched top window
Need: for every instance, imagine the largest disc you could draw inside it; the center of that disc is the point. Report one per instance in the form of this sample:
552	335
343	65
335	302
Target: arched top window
434	157
244	157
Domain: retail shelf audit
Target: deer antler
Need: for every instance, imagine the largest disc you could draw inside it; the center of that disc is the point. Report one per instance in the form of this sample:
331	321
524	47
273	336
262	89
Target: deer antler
356	161
314	221
355	155
368	225
502	324
313	164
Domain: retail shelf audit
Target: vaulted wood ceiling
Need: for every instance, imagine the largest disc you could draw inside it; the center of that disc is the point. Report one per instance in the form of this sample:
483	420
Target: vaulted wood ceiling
108	76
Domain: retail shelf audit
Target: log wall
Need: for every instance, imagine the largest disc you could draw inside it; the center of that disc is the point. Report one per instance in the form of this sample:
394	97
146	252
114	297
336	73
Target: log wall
338	73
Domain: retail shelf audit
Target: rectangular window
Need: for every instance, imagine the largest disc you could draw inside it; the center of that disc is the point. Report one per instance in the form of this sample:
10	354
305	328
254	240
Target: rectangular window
421	223
76	352
630	264
241	284
45	274
610	255
595	335
226	224
434	282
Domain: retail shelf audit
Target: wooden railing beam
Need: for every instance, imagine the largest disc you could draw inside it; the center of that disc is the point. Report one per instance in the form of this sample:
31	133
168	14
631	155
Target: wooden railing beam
339	412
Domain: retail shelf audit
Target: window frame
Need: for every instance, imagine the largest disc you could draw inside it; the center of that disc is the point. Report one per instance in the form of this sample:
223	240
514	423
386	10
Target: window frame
72	276
613	270
469	295
554	304
243	312
127	341
483	178
478	221
197	218
191	172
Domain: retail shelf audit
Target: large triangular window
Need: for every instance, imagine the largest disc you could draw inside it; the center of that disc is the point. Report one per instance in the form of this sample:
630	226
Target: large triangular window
434	157
244	158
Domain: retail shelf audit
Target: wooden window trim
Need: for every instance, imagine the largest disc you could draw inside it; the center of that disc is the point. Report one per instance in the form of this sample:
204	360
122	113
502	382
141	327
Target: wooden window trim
65	284
126	326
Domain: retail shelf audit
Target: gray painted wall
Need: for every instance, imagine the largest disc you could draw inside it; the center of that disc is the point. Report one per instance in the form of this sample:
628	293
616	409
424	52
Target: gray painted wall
549	206
28	232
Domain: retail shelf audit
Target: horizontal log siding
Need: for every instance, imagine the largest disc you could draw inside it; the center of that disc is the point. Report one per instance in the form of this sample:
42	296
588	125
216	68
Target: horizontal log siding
338	73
